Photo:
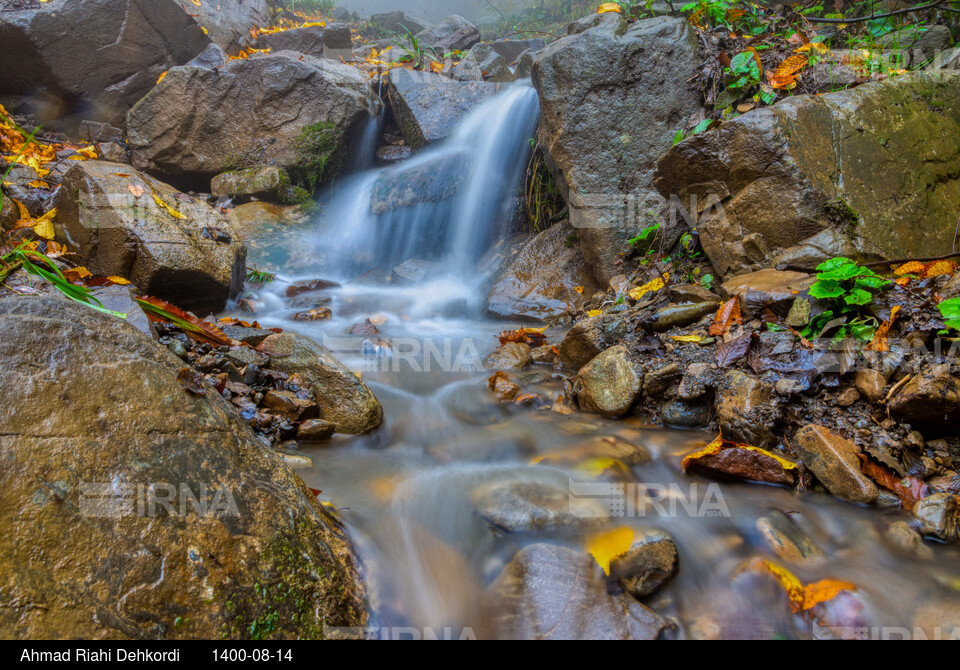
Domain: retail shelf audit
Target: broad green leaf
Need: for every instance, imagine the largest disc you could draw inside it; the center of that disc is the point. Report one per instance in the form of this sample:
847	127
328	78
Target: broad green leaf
859	297
829	288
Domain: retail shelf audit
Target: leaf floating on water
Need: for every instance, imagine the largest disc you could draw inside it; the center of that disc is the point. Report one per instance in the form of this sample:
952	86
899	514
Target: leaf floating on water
728	315
802	598
606	546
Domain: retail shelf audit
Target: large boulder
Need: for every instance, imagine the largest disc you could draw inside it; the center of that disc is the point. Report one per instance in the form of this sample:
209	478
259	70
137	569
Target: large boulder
330	41
483	63
285	109
344	400
549	592
228	22
170	245
428	106
94	57
845	173
542	281
398	22
930	401
102	450
612	99
454	33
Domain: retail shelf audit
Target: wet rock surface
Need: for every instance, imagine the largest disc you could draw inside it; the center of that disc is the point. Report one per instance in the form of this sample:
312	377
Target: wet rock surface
551	592
428	105
593	89
307	107
129	422
169	244
785	148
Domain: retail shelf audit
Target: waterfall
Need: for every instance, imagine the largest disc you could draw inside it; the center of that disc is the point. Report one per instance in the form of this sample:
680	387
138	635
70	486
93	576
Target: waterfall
447	204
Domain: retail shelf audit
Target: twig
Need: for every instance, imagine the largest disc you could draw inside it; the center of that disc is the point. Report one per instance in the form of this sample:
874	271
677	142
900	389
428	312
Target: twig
955	233
917	8
879	264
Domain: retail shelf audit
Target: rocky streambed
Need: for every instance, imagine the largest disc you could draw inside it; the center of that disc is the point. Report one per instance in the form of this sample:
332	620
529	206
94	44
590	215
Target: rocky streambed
331	372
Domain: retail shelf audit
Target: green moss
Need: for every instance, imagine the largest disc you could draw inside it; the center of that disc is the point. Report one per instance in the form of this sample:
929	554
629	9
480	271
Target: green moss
319	159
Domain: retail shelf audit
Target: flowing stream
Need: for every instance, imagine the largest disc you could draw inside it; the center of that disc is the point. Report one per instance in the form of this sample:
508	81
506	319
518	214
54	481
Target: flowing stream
403	491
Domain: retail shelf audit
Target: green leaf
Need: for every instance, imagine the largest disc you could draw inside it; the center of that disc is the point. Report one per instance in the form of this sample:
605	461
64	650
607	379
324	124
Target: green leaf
826	289
678	138
841	273
859	297
950	309
872	282
833	264
703	125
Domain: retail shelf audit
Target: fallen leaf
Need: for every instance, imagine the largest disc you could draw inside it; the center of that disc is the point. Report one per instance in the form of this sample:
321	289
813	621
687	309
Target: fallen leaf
940	268
609	7
802	598
910	490
913	267
191	380
136	190
606	546
785	76
653	285
687	339
731	351
879	341
170	210
728	314
532	337
594	312
203	331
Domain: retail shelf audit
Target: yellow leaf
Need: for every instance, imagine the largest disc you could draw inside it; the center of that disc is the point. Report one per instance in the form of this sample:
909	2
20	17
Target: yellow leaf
436	67
118	280
802	598
913	267
652	285
720	444
939	268
607	7
578	289
812	46
44	229
594	312
170	210
162	77
606	546
686	339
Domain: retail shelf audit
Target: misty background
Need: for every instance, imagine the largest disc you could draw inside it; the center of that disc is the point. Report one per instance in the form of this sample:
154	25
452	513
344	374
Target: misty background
434	10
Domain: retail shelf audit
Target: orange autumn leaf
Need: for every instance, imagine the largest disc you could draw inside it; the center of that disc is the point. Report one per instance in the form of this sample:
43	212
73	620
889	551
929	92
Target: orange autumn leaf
75	275
532	337
728	315
608	7
939	268
910	490
160	311
785	76
802	597
879	341
911	268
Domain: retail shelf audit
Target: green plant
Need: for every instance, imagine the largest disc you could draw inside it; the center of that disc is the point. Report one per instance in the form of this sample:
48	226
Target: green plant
707	282
414	50
950	310
645	235
846	289
255	276
39	265
317	154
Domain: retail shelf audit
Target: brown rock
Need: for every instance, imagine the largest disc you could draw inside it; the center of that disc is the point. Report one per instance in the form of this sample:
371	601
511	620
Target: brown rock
930	401
589	337
649	563
90	556
871	385
833	460
511	356
554	593
315	430
610	383
287	404
747	410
